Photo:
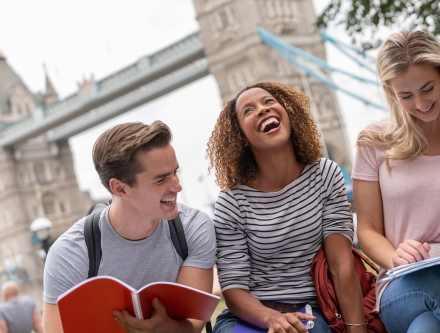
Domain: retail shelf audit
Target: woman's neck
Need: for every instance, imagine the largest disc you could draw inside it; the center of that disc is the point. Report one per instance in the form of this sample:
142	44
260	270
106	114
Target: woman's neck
275	169
433	132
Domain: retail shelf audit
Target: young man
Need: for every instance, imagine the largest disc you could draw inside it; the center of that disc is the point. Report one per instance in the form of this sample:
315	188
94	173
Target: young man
138	166
18	314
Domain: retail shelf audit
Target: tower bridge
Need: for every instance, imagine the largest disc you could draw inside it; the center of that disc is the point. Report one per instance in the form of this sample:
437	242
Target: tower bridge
36	169
96	101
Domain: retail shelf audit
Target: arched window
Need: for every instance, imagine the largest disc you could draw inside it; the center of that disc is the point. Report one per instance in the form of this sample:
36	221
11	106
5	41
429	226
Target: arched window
5	219
62	205
48	204
40	173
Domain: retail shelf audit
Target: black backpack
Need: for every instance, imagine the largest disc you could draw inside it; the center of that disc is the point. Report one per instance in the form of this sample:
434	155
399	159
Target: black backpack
92	236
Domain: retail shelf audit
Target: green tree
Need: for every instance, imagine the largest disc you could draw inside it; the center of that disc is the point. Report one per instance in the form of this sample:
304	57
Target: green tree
361	16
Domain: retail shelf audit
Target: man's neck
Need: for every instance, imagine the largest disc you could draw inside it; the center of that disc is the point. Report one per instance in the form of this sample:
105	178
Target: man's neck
129	224
11	298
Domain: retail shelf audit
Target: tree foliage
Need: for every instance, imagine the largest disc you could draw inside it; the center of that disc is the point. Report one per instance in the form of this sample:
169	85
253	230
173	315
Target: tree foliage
361	16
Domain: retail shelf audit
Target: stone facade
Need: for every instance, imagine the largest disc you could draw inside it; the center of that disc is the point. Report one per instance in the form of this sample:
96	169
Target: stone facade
36	180
237	56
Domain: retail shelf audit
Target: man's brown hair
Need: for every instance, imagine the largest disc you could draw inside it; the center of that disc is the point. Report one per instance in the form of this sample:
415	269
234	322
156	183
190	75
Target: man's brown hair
115	151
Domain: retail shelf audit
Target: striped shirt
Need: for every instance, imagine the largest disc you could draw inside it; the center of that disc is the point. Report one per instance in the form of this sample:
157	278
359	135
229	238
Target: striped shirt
266	241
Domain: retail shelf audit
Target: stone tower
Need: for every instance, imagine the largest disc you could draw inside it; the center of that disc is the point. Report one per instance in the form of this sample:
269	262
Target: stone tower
237	57
36	180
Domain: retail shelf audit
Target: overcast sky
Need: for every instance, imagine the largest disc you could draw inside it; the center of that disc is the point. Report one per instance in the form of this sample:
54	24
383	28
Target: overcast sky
81	38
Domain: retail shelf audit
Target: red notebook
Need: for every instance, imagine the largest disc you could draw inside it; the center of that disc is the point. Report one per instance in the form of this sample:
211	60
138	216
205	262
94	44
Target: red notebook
88	307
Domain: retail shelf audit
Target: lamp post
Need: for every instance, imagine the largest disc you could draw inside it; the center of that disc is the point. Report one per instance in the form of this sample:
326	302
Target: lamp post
41	228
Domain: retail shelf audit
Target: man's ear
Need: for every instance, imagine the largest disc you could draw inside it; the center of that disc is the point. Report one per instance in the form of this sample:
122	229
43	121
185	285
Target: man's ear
118	187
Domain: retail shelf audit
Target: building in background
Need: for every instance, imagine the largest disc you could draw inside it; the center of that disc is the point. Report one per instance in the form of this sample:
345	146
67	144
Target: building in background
237	56
36	180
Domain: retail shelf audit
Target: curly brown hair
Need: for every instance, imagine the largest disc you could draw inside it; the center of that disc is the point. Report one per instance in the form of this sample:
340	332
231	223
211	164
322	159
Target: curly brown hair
234	162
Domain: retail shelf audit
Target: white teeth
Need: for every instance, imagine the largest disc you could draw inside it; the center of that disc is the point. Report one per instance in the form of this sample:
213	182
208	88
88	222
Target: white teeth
427	108
267	122
168	200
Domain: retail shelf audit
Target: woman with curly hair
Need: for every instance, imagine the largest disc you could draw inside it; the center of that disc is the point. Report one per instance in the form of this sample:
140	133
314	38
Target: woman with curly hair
396	182
279	202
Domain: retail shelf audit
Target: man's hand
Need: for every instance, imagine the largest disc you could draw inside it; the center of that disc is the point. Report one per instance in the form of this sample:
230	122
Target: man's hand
411	251
158	323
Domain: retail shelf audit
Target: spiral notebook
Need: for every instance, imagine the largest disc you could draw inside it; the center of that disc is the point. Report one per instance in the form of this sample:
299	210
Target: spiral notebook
410	268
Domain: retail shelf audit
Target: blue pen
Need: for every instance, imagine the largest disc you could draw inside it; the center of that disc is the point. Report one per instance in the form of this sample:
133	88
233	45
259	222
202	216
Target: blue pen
307	323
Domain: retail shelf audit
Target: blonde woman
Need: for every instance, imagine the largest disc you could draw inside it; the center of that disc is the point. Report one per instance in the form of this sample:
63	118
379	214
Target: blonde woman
397	182
280	202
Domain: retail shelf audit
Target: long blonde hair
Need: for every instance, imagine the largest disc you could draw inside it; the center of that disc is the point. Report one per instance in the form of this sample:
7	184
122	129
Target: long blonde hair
401	135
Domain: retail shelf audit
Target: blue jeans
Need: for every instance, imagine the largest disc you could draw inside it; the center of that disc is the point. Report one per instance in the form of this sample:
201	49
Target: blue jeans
412	303
226	322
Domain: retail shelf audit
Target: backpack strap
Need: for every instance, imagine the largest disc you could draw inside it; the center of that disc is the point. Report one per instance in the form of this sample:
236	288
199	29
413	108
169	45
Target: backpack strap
208	327
365	259
92	236
178	237
98	207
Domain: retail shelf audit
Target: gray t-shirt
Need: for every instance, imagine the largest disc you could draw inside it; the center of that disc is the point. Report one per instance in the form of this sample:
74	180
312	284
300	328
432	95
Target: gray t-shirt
18	314
136	263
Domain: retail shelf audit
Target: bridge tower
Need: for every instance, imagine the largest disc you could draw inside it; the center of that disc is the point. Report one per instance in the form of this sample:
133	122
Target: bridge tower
237	57
36	180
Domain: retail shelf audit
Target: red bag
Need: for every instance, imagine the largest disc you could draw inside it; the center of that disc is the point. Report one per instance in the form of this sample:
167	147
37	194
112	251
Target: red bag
327	298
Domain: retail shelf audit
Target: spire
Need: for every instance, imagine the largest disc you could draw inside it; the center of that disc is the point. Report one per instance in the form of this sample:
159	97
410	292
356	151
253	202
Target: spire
50	94
10	84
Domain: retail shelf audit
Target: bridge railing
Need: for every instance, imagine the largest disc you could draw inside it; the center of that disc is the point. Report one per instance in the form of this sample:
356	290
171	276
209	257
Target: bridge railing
134	98
163	57
97	93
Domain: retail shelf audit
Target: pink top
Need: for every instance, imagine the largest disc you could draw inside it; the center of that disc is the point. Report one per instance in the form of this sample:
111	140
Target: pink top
410	198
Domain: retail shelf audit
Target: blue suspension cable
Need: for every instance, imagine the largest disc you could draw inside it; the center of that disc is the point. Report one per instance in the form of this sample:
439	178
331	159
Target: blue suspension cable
341	47
280	46
364	55
269	38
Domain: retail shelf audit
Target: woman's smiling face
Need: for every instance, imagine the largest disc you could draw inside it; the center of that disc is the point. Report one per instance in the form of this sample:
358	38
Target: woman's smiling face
418	92
263	121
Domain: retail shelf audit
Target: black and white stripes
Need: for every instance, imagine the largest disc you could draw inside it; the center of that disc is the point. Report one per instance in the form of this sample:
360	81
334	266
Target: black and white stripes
266	241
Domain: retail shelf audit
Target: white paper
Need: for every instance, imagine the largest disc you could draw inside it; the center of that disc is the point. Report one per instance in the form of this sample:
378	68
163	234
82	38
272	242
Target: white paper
410	268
